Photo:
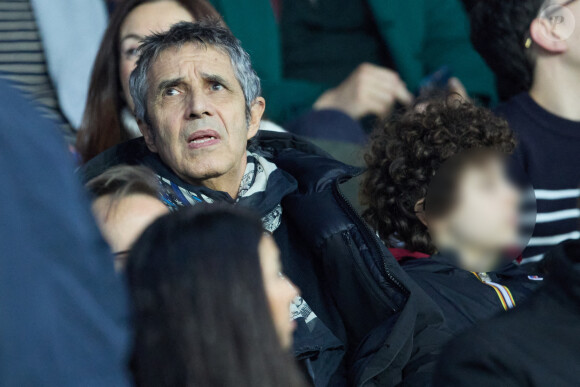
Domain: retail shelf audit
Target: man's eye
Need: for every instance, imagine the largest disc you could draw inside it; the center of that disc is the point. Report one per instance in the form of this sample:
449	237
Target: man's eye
217	86
171	92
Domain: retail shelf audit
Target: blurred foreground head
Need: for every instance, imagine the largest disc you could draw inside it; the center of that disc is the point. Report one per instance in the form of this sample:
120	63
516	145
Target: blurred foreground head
126	202
437	181
202	314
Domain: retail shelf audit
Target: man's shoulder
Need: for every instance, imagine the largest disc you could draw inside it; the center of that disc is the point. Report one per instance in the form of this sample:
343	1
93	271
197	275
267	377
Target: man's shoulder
276	141
314	169
308	164
132	152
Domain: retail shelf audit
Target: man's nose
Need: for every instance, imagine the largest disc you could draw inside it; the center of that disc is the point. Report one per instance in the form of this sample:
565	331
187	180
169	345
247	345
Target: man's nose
198	105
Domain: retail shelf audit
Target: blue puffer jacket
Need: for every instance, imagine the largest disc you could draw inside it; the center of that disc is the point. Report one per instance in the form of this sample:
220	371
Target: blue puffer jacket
376	326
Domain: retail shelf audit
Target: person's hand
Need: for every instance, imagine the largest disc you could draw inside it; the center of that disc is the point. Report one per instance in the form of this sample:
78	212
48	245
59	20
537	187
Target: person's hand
456	87
369	89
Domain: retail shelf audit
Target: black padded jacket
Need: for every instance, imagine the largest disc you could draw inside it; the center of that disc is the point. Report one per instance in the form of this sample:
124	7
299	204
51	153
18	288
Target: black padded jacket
379	328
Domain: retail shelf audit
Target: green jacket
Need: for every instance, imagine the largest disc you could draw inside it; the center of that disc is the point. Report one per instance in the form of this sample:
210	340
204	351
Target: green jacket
422	36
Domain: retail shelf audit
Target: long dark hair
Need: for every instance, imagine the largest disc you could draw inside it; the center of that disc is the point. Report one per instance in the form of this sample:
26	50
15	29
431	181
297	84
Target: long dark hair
102	125
201	313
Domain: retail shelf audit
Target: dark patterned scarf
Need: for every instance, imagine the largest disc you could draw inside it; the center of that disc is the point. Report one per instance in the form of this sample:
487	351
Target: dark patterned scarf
262	189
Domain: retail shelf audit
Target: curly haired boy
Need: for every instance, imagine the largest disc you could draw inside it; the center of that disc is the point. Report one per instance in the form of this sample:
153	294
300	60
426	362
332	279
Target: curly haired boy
437	183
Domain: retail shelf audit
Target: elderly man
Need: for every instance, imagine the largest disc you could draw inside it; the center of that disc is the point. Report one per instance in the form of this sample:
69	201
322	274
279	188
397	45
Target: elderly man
198	104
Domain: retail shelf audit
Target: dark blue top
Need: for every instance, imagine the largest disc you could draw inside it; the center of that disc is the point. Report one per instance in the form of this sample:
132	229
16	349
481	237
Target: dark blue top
63	310
549	152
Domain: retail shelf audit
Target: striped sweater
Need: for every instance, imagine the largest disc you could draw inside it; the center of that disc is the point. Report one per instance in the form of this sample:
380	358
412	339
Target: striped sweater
22	59
549	152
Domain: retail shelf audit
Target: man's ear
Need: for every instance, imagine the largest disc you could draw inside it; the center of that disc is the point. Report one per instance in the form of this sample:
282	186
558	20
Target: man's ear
548	35
256	113
148	135
420	211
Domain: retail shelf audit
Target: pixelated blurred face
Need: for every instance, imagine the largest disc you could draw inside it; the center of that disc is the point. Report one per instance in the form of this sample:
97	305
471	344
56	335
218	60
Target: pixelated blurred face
484	216
154	16
280	291
123	221
197	115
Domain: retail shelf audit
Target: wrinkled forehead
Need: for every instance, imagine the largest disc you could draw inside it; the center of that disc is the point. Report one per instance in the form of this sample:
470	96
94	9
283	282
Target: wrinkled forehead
191	60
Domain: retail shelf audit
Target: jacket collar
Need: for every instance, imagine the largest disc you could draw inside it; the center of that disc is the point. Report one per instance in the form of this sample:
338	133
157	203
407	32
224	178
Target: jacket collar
264	200
449	259
309	165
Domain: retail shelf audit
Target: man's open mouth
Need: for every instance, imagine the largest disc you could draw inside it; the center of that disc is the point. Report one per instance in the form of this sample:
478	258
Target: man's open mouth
203	138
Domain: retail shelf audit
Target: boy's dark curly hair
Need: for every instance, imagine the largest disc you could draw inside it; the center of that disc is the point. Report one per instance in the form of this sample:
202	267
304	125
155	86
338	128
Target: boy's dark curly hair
499	30
404	154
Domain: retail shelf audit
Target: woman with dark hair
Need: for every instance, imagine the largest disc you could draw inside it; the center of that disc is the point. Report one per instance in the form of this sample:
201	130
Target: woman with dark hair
108	118
202	315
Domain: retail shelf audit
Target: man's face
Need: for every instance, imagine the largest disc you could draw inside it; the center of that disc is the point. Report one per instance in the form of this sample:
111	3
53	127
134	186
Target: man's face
197	115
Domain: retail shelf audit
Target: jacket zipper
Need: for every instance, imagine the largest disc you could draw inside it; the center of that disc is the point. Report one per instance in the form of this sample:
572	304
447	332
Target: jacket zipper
350	209
505	297
484	277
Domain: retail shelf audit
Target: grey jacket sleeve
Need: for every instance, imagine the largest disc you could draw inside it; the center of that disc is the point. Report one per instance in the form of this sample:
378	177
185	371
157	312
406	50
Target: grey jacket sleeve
71	33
